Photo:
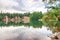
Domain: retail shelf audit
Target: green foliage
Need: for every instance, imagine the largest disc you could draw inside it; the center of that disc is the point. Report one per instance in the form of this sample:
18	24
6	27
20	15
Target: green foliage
34	17
26	14
50	1
49	19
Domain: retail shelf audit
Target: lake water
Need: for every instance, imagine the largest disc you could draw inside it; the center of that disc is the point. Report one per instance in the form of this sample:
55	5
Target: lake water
29	31
13	32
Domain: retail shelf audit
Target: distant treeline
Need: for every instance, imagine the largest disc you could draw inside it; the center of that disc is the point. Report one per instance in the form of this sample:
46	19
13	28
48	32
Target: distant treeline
37	19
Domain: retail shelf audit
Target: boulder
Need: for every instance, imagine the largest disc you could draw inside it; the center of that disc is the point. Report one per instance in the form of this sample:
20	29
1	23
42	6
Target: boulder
58	35
55	36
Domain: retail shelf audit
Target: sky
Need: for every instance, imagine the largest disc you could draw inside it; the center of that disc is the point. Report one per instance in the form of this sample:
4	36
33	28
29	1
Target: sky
22	6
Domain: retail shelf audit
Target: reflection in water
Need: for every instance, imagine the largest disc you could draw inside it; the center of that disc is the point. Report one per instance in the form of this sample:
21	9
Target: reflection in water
25	33
36	19
54	26
29	33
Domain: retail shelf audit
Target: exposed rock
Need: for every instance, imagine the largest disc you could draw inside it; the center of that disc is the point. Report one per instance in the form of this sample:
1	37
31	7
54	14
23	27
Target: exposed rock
26	19
58	35
12	19
55	36
6	19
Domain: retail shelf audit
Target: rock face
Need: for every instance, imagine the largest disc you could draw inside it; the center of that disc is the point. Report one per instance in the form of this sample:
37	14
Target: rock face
56	36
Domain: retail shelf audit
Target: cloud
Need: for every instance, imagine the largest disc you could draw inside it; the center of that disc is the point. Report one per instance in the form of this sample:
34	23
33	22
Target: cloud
22	5
7	4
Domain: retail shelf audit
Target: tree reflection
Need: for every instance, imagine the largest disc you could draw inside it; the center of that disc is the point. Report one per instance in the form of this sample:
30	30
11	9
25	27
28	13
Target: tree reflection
55	28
